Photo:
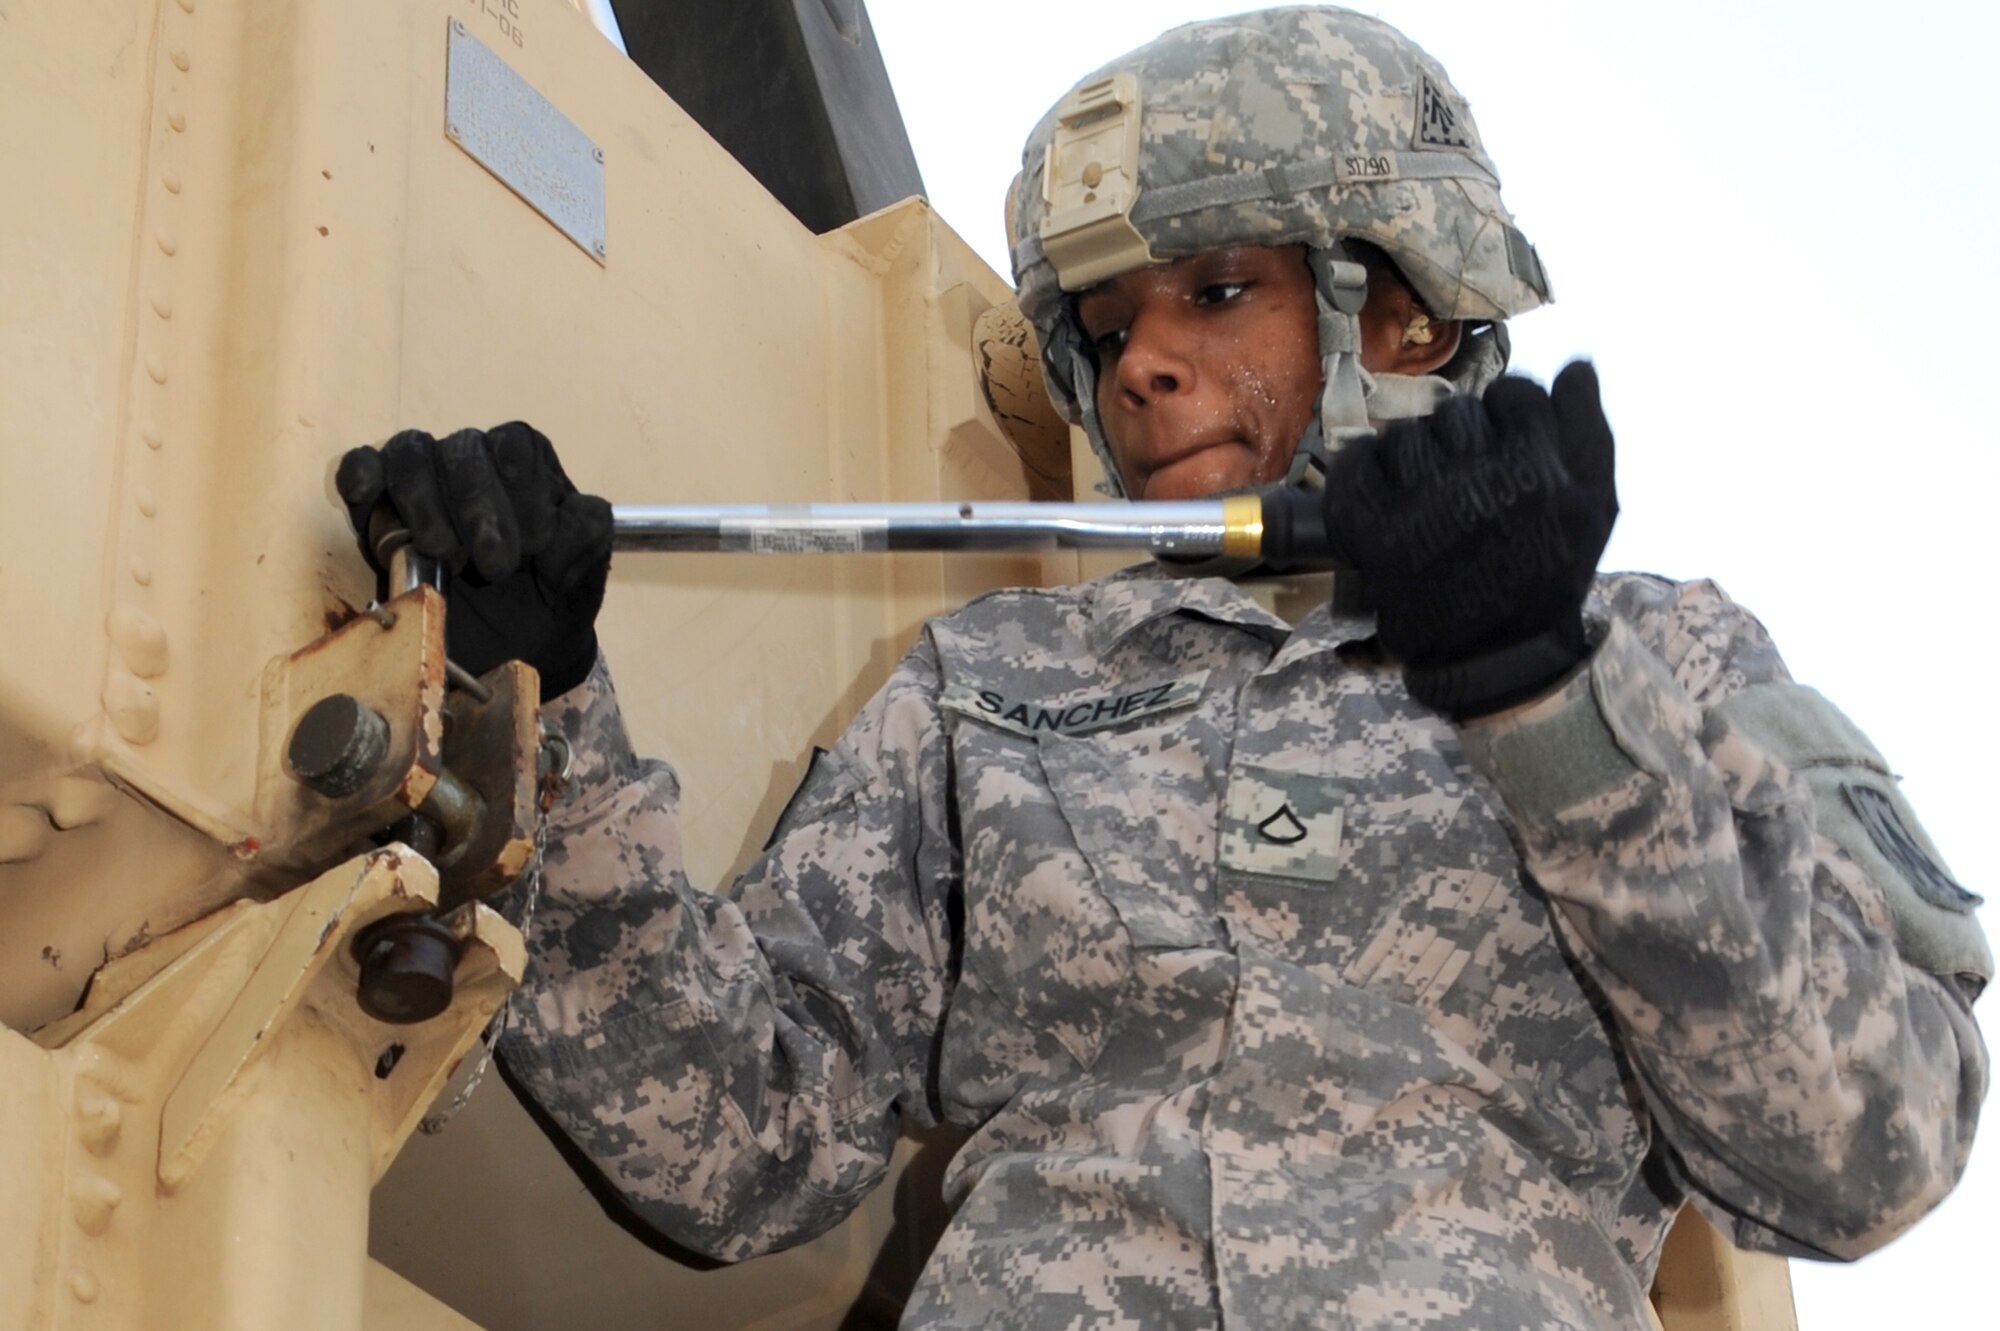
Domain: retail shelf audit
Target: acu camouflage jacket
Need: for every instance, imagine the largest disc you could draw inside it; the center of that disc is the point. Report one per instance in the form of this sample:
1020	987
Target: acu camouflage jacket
1272	998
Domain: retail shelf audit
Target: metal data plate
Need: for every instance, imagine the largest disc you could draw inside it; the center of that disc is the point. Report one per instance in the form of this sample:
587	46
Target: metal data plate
517	134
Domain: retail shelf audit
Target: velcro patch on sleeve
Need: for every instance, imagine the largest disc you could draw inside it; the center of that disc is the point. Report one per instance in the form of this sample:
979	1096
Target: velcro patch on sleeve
1856	805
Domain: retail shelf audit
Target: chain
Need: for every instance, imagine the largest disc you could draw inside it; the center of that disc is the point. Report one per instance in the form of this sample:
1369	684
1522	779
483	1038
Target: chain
557	758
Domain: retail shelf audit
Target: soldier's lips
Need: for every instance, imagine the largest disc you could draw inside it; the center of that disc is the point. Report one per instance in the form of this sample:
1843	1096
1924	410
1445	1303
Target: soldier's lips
1201	470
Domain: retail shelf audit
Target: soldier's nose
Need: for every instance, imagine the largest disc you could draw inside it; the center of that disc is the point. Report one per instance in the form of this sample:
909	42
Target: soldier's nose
1152	365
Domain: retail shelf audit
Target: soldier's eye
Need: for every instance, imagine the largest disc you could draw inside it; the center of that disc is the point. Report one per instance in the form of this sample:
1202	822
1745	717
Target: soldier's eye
1108	343
1220	293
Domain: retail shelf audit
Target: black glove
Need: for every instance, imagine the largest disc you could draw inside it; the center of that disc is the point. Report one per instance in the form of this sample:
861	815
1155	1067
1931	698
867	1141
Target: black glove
528	554
1477	531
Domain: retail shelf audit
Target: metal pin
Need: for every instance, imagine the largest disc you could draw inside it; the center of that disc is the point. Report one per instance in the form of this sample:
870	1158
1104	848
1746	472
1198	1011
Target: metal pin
462	677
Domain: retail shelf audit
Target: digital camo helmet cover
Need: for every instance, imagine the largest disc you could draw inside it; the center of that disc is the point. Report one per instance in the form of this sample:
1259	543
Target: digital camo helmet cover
1307	125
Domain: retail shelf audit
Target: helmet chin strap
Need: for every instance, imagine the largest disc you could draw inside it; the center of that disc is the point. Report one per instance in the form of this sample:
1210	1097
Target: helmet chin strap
1352	400
1083	373
1340	287
1384	398
1398	397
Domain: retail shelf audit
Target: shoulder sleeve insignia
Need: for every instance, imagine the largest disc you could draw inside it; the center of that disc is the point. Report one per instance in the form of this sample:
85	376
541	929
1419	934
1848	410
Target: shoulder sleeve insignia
1878	815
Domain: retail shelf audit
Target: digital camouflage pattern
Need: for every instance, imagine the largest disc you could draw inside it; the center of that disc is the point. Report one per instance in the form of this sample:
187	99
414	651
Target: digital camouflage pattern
1304	125
1286	1004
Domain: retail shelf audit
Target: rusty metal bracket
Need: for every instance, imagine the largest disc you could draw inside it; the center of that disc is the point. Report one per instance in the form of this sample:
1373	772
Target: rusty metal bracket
392	666
359	731
492	747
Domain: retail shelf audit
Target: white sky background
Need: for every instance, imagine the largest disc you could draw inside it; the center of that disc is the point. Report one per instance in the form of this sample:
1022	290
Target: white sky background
1771	226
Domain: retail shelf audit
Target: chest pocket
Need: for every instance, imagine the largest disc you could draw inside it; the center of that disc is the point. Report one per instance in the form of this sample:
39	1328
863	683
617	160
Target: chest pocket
1152	869
1376	882
1285	855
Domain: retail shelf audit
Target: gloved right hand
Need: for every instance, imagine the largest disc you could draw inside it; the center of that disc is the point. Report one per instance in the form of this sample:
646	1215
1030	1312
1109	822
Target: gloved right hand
1477	531
528	553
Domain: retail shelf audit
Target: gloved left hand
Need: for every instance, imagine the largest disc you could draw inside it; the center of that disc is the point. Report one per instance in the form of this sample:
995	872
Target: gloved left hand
1477	531
528	553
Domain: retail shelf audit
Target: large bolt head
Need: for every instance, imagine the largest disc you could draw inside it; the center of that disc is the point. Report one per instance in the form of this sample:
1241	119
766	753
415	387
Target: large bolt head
337	746
406	967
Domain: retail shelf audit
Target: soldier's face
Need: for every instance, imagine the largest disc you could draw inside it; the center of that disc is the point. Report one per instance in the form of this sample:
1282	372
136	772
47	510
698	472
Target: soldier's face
1208	369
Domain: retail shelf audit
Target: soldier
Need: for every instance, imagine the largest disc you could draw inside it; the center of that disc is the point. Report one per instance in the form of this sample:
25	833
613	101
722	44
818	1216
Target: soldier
1407	966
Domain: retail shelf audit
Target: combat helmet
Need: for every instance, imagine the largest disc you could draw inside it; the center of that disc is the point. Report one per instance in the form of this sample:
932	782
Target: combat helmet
1306	125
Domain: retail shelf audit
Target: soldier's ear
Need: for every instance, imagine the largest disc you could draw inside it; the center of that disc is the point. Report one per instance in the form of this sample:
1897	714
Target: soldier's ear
1426	345
1398	336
